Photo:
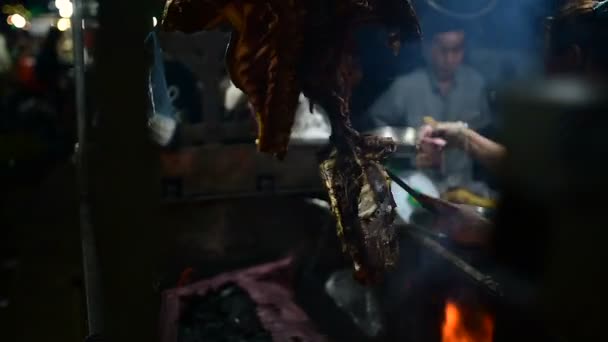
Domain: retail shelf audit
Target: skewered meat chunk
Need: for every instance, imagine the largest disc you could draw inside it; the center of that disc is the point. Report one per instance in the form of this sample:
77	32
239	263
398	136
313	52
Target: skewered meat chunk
281	48
359	191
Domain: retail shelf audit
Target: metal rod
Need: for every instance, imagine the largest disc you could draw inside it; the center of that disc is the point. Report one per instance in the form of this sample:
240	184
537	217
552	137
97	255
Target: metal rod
402	184
424	200
423	231
89	254
242	195
488	282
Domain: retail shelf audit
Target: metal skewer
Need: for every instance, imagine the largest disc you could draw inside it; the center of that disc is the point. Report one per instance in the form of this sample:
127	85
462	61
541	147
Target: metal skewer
423	231
425	201
487	281
403	184
421	234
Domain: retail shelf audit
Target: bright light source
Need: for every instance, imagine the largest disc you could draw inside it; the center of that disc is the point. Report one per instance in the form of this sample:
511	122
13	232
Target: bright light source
63	24
17	20
65	7
62	3
154	21
66	11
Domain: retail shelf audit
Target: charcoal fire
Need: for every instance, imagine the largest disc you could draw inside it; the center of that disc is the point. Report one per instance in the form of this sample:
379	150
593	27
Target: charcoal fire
465	325
280	49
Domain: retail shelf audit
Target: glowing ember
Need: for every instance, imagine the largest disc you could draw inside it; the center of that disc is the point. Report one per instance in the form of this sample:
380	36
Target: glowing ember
466	326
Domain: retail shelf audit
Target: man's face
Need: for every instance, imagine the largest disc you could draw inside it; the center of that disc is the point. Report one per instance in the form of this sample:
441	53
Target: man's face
447	52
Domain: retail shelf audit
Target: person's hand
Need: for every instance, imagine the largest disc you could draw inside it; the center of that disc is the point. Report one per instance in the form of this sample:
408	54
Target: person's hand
452	133
429	149
434	137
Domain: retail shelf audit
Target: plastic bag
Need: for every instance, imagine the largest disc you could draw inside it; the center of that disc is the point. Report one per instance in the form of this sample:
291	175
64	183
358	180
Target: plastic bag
162	121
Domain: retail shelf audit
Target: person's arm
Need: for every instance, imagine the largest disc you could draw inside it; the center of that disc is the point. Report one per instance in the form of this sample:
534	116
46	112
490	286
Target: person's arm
436	136
484	150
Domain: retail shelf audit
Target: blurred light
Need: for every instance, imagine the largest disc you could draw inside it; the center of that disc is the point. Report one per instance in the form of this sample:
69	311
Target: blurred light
154	21
17	20
59	4
66	11
63	24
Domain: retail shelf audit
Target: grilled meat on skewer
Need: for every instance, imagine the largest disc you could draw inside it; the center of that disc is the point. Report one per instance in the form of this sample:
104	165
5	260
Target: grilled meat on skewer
281	48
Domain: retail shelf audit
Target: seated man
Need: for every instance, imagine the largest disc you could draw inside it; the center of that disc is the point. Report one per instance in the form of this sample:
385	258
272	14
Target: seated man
445	89
575	45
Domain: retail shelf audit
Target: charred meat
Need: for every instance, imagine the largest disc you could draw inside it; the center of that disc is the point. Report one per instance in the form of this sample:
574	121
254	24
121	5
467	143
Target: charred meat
361	201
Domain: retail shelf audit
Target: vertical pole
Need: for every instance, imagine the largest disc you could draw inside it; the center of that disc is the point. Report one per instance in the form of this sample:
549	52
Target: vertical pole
124	175
92	282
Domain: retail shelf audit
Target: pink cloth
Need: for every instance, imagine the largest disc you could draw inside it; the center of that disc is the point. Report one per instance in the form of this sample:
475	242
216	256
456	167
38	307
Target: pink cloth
267	285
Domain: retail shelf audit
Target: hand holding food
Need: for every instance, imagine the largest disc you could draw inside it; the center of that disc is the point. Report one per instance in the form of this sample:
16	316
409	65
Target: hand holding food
444	134
434	137
429	149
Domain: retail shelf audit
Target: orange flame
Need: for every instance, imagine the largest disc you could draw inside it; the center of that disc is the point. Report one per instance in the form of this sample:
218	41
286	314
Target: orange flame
466	326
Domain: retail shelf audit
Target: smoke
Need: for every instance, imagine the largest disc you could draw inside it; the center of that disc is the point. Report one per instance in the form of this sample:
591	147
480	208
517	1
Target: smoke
503	24
503	43
514	24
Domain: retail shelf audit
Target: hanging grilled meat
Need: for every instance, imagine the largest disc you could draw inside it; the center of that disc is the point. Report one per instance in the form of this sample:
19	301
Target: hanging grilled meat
281	48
